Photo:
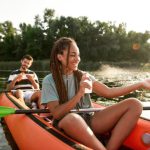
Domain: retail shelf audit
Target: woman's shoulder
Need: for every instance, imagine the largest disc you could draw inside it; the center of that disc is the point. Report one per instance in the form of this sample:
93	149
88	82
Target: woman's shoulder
91	76
48	78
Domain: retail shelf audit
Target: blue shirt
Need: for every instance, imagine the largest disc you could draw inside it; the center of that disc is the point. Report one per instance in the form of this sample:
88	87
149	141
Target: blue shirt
49	92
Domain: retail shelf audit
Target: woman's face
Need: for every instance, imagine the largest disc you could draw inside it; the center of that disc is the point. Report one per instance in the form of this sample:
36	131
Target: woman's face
74	59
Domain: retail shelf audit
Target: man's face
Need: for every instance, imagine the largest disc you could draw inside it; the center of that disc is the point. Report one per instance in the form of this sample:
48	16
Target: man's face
25	64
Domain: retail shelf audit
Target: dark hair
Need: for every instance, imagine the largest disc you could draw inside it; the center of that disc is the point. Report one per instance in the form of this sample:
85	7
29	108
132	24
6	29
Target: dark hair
62	44
27	56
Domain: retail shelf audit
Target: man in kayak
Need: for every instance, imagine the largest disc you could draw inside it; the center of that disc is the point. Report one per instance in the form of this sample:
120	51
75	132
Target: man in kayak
64	89
24	83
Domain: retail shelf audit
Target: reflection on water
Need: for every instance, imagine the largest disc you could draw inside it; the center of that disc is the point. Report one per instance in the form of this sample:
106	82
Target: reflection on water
3	142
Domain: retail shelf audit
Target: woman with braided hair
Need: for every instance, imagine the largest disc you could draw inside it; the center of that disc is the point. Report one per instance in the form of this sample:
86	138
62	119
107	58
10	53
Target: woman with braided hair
64	89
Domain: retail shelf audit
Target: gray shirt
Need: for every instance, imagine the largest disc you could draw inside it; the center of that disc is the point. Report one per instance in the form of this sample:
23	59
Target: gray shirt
49	92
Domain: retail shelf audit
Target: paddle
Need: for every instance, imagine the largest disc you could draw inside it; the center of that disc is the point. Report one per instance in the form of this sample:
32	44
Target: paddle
4	111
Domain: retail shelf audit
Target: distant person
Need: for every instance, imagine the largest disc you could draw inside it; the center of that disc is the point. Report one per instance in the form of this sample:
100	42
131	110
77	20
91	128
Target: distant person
24	83
64	89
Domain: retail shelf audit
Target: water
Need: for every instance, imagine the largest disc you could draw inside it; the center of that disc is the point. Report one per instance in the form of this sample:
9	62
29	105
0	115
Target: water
4	145
111	77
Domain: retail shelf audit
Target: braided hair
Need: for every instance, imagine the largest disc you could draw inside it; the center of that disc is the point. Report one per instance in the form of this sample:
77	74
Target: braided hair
62	44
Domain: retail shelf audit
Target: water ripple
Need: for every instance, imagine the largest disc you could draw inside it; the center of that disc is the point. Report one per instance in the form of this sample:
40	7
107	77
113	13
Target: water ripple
3	142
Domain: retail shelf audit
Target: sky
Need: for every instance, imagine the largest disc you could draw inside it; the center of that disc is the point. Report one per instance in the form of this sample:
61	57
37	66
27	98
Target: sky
135	13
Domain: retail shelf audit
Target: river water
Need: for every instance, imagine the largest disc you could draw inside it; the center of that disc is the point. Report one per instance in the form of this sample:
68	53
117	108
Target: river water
4	145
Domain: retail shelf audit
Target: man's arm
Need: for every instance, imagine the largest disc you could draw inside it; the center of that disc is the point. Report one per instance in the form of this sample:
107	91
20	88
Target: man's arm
33	80
12	83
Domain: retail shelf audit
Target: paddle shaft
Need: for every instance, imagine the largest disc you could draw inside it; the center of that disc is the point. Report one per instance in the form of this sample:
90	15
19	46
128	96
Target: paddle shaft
84	110
29	111
146	107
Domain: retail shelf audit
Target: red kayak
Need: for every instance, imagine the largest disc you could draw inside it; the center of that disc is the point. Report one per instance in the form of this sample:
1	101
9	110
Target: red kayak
32	132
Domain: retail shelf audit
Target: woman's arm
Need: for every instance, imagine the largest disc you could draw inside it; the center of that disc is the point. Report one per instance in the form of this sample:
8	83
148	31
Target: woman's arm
103	90
60	110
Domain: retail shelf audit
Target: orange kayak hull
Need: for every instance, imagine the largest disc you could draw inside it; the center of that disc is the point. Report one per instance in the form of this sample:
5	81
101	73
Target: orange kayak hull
34	133
30	132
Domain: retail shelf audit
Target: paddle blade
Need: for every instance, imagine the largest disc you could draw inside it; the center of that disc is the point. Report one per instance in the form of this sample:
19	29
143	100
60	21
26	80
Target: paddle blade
4	111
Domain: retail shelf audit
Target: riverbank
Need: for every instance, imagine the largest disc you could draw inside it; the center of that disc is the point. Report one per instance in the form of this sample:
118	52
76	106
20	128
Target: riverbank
43	65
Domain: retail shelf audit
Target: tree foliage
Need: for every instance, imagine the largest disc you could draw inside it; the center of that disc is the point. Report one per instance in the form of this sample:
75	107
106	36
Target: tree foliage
98	41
